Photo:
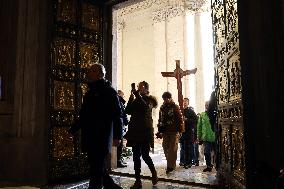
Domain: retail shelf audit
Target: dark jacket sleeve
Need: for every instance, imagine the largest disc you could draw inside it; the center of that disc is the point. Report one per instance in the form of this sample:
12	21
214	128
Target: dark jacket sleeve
192	117
117	129
133	103
159	125
117	117
129	107
79	123
124	117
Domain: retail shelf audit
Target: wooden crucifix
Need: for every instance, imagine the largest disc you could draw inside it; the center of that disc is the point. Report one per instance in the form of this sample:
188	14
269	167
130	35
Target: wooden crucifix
178	73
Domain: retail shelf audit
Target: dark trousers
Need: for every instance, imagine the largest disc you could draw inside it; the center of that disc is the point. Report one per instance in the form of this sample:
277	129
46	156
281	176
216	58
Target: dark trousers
119	152
207	153
142	149
191	153
99	176
195	153
184	151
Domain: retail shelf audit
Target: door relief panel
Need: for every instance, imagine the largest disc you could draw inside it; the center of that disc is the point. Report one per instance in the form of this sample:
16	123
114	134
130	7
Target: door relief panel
76	44
229	92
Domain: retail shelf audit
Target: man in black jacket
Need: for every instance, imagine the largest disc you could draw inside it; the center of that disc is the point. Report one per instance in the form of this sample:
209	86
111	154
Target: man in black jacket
188	138
101	126
120	160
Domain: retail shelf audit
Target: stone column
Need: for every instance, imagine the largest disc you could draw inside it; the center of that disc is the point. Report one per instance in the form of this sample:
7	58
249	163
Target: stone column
115	65
175	50
160	53
199	65
119	54
169	36
187	88
190	81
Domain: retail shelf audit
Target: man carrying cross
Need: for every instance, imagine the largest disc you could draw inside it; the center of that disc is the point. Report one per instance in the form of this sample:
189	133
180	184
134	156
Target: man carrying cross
171	119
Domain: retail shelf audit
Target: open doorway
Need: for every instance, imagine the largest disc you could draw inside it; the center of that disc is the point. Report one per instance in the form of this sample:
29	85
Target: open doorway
148	38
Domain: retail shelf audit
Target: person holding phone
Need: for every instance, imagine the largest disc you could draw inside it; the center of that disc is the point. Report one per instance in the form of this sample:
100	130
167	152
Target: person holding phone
140	135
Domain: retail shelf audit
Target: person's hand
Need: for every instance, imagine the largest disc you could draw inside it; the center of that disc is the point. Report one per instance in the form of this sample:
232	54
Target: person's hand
116	142
131	95
136	93
70	136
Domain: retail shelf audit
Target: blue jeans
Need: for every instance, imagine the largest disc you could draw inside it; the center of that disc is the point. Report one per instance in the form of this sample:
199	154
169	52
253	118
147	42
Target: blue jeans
207	152
195	156
185	156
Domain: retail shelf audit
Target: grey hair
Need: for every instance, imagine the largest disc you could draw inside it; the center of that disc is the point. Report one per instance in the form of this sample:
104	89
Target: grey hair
101	69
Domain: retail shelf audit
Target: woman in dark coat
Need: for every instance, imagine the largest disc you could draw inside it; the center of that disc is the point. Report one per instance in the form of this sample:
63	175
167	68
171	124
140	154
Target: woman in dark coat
140	134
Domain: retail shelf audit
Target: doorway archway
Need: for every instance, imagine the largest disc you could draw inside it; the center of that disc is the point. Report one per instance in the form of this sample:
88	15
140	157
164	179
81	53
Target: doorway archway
228	89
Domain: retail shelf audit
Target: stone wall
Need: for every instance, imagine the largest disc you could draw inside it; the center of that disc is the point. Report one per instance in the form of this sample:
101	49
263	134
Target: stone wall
149	36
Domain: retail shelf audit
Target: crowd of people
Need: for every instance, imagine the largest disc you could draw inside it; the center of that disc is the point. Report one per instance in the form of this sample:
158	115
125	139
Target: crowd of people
105	114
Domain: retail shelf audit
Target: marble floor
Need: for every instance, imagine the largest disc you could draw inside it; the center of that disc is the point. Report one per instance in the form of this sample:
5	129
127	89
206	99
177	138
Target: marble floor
126	182
192	176
20	187
181	178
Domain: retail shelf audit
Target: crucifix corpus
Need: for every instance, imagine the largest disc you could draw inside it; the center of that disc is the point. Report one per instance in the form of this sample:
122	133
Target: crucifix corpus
178	73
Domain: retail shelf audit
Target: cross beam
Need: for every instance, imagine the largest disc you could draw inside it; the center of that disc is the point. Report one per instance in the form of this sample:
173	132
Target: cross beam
178	73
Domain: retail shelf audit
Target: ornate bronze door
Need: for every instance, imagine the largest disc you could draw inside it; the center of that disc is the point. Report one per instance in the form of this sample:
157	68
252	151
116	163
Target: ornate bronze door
229	92
76	43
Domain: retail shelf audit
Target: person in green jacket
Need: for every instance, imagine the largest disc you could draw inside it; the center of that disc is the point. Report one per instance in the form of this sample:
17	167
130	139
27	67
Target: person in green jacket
206	136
